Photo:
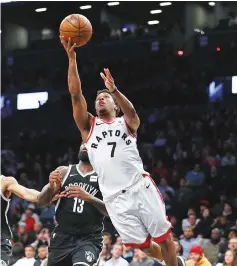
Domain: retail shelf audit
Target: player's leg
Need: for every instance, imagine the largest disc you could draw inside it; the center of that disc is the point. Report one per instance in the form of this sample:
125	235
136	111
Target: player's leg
59	250
152	214
86	253
6	252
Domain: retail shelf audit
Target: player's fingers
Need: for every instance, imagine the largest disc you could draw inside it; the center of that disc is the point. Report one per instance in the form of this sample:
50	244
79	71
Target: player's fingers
73	47
72	195
63	41
69	44
103	76
62	194
109	80
109	74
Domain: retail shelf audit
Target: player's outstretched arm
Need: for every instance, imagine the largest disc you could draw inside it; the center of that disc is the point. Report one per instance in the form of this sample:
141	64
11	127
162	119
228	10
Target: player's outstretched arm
128	110
20	191
82	118
50	192
79	192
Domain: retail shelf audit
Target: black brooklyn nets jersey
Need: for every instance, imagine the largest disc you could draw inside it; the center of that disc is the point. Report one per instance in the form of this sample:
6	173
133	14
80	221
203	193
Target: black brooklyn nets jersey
5	229
73	215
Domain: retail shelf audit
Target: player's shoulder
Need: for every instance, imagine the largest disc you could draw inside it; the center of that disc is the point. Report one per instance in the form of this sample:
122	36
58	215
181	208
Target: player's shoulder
62	169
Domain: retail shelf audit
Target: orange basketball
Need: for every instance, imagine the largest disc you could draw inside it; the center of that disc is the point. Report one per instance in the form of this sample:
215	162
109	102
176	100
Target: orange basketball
77	27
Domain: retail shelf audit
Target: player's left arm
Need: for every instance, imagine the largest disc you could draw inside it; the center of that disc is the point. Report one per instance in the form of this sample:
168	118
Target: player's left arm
20	191
79	192
126	106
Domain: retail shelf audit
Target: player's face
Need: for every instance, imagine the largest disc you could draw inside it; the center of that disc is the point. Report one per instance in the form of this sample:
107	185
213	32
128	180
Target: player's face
104	103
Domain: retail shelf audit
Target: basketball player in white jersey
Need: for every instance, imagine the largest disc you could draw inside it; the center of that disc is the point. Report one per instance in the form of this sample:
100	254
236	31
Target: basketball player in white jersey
132	200
9	185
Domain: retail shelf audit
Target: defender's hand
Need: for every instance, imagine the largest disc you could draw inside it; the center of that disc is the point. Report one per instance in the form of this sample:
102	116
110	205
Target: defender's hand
108	80
69	47
78	192
55	179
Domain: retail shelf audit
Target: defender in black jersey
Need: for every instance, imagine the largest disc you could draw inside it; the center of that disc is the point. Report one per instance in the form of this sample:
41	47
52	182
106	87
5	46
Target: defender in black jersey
77	239
9	185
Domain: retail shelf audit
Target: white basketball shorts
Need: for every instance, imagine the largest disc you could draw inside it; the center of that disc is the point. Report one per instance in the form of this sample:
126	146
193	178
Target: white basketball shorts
138	214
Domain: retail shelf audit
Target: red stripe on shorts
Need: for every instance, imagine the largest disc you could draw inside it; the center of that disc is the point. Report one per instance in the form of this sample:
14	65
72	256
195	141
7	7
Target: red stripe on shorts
158	191
145	244
162	237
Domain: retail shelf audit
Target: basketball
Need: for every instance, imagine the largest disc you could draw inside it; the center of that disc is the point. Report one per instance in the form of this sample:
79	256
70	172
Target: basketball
77	27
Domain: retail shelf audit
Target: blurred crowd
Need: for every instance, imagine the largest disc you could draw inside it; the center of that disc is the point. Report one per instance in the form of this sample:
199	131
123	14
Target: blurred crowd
191	155
190	151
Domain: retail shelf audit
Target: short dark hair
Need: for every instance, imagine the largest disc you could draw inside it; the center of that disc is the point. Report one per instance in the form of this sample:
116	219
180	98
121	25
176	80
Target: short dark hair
111	94
42	246
29	246
108	235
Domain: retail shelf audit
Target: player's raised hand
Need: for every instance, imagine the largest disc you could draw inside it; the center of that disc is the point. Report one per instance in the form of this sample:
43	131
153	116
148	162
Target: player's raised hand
55	179
77	192
69	46
108	80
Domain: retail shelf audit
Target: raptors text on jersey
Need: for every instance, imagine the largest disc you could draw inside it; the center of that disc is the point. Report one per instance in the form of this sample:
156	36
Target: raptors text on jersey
113	152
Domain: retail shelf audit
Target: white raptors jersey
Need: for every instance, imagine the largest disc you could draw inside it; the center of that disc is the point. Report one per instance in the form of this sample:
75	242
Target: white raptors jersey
113	153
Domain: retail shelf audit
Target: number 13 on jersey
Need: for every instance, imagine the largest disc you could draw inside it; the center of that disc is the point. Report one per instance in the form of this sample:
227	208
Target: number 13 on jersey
78	205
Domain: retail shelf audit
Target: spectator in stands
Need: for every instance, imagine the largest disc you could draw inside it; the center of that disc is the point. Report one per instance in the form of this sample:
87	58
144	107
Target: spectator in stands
29	259
212	246
117	259
104	256
192	222
43	239
164	187
195	177
197	257
42	255
107	240
233	244
176	226
29	218
159	170
228	212
188	241
127	252
230	259
178	247
17	253
203	228
228	159
143	260
22	235
136	255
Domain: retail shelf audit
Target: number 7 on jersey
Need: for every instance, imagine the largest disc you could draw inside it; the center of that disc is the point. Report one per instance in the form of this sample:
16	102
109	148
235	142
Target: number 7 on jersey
113	144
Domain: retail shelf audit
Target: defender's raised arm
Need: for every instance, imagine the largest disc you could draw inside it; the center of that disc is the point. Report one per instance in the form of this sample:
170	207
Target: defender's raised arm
82	118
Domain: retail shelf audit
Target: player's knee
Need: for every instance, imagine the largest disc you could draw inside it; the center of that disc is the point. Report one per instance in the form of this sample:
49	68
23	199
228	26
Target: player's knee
146	250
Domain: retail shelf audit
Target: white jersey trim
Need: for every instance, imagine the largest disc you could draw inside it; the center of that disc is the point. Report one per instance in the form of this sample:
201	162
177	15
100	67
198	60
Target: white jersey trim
91	130
128	129
64	179
85	174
